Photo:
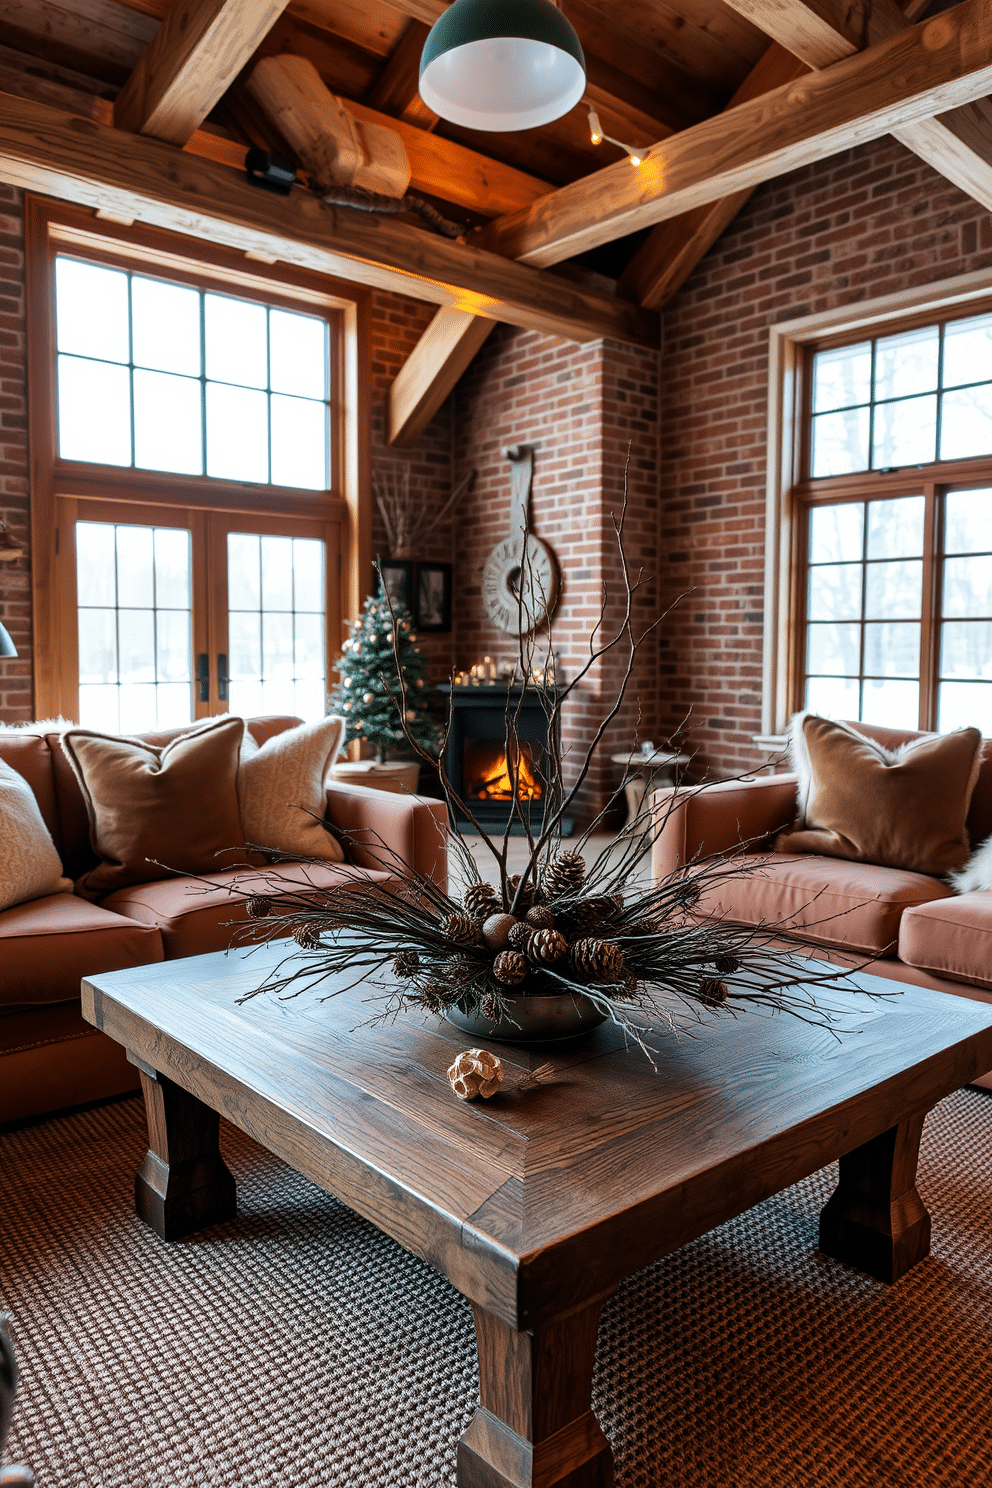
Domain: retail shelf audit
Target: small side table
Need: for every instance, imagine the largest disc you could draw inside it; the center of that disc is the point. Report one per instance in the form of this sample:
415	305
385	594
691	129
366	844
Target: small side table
654	767
399	776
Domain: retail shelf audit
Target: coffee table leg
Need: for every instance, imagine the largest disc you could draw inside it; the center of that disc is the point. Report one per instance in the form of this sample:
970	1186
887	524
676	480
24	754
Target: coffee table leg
183	1183
535	1425
875	1219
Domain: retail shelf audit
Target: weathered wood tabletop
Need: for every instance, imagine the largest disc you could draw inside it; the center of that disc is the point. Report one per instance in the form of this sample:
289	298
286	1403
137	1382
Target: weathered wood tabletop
536	1204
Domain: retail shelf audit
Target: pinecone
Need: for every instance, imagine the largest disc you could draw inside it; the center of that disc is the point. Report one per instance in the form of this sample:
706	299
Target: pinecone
580	918
480	900
431	997
547	946
540	917
258	906
599	960
604	905
712	992
490	1008
727	964
307	936
563	875
519	936
510	968
526	893
462	929
406	963
629	984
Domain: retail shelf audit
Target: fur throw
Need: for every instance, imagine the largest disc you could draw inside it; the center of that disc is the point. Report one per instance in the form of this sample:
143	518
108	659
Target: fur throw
977	872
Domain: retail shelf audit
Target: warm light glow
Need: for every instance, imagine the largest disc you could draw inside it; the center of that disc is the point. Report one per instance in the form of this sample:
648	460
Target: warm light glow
635	159
493	782
595	128
597	136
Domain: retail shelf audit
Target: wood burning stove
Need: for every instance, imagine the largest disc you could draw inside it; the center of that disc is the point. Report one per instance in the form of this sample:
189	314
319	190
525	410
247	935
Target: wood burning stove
476	756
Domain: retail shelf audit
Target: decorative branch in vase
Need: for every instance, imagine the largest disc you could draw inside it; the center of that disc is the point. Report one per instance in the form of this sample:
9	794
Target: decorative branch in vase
562	945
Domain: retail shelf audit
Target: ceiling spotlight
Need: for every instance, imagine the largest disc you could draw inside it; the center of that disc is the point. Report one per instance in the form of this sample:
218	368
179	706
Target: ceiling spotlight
502	64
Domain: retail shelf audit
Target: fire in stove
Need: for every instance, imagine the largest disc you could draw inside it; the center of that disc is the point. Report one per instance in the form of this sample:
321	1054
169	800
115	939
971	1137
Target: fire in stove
490	773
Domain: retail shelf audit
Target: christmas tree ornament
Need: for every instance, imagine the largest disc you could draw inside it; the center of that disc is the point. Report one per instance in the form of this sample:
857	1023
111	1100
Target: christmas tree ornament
475	1072
496	930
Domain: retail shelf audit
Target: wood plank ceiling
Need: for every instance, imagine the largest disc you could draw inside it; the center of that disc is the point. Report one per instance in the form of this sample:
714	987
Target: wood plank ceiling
558	233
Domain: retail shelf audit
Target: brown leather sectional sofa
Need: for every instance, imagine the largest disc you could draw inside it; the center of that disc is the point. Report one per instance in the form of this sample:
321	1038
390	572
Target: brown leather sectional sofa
49	1057
914	928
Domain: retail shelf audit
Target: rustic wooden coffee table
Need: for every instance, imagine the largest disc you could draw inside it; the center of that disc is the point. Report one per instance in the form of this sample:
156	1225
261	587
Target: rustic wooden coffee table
536	1205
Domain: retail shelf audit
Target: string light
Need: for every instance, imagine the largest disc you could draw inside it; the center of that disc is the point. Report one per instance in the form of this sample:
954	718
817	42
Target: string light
597	135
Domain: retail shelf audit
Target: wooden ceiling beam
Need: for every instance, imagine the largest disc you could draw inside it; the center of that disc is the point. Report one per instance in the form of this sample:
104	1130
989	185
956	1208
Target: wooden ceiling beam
924	70
396	91
430	372
958	144
48	150
672	250
190	63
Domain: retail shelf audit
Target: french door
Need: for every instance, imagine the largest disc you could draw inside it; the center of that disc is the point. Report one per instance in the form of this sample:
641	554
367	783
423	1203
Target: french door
168	615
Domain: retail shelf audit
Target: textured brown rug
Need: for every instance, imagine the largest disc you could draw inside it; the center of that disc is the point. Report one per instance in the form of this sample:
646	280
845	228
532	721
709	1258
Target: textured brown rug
298	1347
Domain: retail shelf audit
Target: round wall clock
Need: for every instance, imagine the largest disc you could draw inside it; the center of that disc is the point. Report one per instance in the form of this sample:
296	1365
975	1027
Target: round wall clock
520	578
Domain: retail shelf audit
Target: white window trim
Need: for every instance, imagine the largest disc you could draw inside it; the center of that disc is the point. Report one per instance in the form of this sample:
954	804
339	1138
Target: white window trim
786	344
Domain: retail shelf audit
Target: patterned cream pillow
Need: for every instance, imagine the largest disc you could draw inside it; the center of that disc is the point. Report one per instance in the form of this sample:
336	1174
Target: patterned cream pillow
30	866
281	790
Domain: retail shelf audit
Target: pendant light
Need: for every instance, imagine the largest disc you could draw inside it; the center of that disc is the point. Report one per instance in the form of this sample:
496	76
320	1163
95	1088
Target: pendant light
502	64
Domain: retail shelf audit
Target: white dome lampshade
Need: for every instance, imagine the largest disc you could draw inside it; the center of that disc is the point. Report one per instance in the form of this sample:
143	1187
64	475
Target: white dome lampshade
502	64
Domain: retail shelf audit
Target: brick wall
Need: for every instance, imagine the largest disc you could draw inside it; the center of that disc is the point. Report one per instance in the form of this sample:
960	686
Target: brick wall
15	578
580	406
865	223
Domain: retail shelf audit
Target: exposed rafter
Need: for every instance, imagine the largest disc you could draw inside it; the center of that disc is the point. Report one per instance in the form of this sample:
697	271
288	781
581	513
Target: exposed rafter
957	144
190	63
396	90
925	70
430	372
75	159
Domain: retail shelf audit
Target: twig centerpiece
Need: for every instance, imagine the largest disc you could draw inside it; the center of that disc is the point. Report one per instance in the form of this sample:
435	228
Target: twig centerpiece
581	936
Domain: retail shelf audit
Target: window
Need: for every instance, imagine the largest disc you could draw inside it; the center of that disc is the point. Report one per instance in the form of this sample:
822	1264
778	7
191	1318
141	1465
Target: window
164	376
892	607
198	469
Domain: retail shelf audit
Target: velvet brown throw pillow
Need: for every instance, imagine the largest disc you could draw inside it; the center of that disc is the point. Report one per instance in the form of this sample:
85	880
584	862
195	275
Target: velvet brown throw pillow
178	805
903	809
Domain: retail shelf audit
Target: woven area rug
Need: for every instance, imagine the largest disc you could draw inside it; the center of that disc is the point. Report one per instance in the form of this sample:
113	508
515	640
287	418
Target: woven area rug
298	1347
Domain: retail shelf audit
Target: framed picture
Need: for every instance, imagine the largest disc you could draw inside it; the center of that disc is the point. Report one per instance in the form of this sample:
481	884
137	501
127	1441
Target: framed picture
397	578
433	610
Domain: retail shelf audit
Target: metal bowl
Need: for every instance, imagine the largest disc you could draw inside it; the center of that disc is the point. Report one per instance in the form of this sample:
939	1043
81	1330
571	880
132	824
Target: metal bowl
537	1018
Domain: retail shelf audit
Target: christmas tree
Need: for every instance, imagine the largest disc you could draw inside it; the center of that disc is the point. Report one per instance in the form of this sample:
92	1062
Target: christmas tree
369	696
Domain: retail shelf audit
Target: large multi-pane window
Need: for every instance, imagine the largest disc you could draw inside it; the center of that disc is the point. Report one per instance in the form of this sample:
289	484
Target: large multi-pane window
191	454
896	603
170	377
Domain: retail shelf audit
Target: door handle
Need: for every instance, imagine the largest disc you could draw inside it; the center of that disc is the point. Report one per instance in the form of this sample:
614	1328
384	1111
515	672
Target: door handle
203	676
222	678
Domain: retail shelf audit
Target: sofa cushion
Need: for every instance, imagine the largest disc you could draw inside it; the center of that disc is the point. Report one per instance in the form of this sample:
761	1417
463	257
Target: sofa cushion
858	800
197	915
836	902
951	938
30	867
281	790
177	805
50	944
29	754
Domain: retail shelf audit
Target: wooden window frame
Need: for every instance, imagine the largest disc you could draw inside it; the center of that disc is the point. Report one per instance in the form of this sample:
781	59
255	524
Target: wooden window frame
53	227
790	494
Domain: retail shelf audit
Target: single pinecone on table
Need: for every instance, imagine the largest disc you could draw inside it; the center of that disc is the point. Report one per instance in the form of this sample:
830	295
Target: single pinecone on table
547	946
599	960
564	875
307	936
406	963
712	992
519	936
510	968
462	929
540	917
258	906
480	900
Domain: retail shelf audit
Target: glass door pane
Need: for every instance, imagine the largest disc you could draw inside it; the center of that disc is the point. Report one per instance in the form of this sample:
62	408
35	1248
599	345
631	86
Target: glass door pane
134	616
277	624
964	696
